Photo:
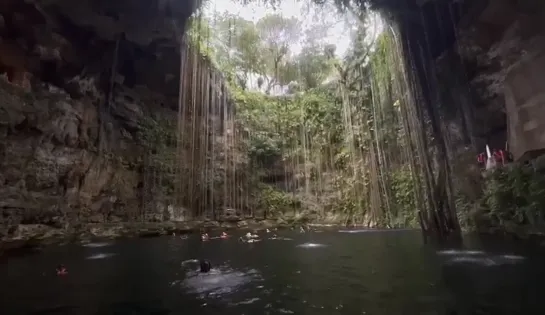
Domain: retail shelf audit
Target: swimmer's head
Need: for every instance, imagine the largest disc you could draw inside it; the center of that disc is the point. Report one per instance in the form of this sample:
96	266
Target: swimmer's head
205	266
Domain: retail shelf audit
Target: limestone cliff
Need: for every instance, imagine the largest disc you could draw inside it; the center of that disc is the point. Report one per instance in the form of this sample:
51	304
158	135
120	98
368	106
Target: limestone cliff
504	44
92	127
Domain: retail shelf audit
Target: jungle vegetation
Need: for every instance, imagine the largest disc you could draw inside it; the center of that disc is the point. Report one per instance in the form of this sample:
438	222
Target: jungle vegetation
354	138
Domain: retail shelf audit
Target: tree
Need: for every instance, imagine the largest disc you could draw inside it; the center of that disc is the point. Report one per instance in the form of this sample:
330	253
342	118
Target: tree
238	47
315	64
277	34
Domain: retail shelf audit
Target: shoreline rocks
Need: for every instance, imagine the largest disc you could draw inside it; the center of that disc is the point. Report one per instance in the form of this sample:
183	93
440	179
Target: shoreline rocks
28	236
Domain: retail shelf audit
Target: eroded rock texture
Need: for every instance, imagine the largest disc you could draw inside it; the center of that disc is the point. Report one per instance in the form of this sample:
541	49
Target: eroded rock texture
89	115
503	47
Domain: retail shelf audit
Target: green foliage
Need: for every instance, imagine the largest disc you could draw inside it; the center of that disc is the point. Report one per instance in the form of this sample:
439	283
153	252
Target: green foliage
276	122
403	192
245	50
314	64
346	147
157	134
328	141
158	137
198	35
513	197
274	201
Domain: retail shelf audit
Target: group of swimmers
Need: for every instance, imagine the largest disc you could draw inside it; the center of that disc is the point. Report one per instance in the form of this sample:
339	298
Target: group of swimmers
247	238
205	265
206	237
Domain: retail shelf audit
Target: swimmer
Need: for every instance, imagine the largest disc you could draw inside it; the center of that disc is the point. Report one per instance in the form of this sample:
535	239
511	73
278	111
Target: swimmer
267	231
224	235
302	230
250	235
61	270
205	266
250	240
205	237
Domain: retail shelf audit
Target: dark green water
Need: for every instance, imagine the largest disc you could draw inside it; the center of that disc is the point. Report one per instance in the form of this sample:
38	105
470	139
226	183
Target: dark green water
381	273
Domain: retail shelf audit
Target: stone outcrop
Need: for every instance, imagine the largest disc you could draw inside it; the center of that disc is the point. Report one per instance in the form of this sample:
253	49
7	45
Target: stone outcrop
90	116
504	45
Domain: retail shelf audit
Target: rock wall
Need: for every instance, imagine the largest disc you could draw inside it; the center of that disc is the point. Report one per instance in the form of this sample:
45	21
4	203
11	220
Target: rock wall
92	125
503	46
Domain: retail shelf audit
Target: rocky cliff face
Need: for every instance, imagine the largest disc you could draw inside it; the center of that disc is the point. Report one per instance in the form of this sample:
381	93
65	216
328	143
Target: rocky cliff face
502	47
92	127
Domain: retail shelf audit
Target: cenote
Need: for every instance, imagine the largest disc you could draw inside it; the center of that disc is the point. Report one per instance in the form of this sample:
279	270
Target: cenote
370	272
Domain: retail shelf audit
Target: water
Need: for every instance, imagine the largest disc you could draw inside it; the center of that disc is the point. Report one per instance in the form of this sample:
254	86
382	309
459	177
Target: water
382	272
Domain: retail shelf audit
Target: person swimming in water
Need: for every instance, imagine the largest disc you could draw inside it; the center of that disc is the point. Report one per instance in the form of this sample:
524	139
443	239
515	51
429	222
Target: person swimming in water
250	235
205	266
251	240
205	237
224	235
61	270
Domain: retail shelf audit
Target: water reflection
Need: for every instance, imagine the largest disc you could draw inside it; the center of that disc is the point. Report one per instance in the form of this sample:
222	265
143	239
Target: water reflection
311	245
366	273
220	281
353	231
190	261
96	245
101	256
277	238
477	257
460	252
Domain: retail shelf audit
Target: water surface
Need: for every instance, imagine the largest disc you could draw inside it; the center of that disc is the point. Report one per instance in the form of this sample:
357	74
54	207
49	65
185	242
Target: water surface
378	272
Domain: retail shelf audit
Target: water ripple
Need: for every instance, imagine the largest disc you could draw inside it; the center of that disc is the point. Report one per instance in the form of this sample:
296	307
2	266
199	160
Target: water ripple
478	257
95	245
218	282
100	256
460	252
311	245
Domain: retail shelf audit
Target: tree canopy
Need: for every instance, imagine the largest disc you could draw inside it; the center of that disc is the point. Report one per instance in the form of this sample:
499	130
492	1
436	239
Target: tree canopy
319	139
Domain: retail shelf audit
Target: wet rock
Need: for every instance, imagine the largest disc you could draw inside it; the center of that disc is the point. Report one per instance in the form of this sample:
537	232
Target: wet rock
230	217
228	225
242	224
105	231
177	214
97	218
75	163
268	223
210	224
114	219
155	217
31	235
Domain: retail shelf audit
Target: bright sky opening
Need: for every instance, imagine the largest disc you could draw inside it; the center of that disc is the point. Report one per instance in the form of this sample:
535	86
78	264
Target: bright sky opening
307	13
